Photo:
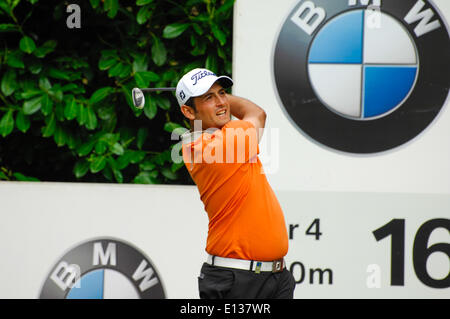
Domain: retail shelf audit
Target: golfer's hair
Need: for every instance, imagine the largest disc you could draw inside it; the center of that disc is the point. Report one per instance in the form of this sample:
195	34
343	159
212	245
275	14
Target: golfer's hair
190	102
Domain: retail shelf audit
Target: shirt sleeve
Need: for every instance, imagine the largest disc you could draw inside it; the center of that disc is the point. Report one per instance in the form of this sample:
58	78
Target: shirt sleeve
240	142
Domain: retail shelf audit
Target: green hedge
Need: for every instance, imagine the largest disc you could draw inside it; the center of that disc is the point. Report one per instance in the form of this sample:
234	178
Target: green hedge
65	100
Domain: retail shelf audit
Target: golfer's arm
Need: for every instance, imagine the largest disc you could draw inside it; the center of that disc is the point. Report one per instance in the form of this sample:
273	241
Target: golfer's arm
246	110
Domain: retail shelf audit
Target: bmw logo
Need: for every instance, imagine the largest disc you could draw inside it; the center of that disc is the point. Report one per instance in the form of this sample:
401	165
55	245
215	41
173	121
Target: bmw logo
362	76
103	269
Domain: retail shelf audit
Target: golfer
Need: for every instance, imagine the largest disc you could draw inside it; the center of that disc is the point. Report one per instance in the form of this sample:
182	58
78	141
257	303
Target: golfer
247	236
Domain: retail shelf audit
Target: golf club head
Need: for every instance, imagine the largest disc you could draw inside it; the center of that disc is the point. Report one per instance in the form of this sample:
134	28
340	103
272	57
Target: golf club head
138	98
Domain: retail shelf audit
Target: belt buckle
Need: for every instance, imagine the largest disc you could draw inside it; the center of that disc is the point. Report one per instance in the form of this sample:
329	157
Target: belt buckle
277	265
258	267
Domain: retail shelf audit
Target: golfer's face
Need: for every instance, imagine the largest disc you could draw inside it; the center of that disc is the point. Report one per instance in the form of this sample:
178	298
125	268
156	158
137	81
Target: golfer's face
213	108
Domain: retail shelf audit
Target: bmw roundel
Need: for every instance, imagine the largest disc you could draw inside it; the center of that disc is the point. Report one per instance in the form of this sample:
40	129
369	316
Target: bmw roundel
103	269
362	76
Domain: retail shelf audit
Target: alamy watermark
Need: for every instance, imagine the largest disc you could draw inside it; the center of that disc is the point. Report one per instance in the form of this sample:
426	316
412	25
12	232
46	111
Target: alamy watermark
74	19
230	145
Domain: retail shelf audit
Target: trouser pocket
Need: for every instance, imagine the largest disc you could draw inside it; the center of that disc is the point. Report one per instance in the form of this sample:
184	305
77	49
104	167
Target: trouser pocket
214	282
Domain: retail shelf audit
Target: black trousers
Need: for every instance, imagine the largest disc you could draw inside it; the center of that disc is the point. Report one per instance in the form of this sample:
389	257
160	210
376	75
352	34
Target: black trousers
227	283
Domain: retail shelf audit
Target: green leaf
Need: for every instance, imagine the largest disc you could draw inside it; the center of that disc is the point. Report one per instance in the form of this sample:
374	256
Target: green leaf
143	2
9	83
150	108
106	112
5	7
117	69
169	174
94	3
176	166
112	6
86	148
97	164
126	91
35	66
162	102
143	14
82	115
159	53
174	30
142	135
116	172
44	83
29	93
47	104
56	93
225	7
23	178
72	140
147	165
71	109
124	160
137	156
140	62
162	157
100	95
70	87
59	136
146	178
48	47
212	63
118	175
8	27
199	48
32	106
125	71
27	45
22	122
81	168
49	129
14	59
143	79
91	119
101	147
170	126
106	62
58	74
219	34
117	149
7	123
198	29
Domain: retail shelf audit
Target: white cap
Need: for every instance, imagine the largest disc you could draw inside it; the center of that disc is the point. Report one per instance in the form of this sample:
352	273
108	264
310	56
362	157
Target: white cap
197	82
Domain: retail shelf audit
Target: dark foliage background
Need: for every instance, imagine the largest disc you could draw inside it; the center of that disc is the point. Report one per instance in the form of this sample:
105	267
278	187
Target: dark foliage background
65	93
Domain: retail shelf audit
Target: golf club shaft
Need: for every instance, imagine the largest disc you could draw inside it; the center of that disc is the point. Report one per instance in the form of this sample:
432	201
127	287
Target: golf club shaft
157	89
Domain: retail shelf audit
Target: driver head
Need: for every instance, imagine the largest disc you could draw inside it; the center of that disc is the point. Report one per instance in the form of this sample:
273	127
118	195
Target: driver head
138	98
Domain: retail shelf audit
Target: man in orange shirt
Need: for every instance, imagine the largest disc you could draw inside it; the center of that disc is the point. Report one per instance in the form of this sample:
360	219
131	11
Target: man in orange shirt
247	236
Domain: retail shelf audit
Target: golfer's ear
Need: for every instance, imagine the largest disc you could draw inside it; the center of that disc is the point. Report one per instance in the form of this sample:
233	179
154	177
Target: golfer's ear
188	112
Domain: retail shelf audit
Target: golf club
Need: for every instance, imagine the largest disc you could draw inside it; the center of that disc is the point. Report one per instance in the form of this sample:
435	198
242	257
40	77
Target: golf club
137	95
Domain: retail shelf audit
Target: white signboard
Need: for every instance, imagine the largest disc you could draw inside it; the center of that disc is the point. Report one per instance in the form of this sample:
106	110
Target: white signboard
357	144
296	157
133	241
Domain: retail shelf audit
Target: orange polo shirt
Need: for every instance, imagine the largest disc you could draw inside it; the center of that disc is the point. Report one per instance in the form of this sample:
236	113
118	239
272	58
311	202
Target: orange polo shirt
245	217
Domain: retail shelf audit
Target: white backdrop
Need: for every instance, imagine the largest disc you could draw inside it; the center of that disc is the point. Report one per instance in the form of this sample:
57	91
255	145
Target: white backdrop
42	221
304	165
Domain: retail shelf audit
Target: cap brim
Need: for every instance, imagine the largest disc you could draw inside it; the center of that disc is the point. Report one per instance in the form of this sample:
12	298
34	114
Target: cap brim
223	80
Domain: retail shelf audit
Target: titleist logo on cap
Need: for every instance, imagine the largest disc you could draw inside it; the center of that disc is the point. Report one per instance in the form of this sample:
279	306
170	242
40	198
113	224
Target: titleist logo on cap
199	75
